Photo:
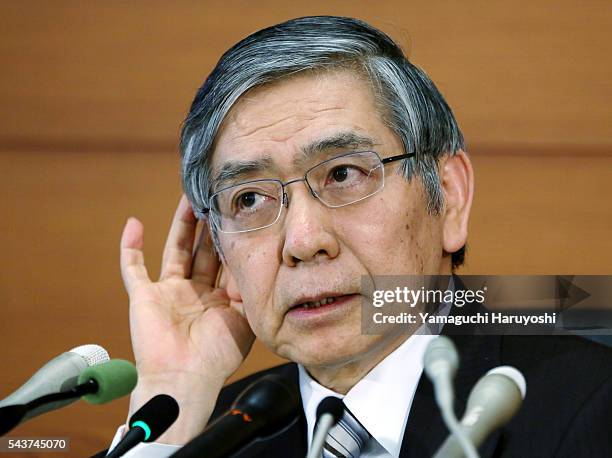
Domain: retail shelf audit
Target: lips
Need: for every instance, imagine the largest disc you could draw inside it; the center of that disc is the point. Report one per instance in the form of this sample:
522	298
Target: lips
327	310
316	304
318	301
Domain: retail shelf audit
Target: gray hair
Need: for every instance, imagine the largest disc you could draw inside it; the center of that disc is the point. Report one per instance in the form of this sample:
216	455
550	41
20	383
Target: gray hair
409	102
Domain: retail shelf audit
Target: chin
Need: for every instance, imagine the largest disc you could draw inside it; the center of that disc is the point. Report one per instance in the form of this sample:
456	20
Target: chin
329	352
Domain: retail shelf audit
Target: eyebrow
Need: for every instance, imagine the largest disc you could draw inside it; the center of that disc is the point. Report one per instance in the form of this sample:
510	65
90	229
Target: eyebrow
235	170
232	171
347	140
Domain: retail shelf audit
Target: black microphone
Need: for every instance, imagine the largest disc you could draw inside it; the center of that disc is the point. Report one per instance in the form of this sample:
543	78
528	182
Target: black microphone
148	423
329	412
263	409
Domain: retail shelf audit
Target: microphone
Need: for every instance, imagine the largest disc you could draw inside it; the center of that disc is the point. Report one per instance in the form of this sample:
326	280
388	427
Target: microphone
440	363
59	374
148	423
263	409
494	400
97	384
112	380
329	412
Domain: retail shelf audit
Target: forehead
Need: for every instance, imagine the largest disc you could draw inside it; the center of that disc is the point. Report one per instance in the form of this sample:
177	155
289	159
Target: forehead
278	121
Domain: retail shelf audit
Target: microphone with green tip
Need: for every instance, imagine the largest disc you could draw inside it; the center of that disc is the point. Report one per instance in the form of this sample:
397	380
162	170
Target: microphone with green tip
59	374
112	380
96	384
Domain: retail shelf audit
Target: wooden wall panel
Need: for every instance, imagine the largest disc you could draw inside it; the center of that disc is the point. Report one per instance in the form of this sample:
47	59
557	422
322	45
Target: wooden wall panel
121	74
62	216
541	214
91	100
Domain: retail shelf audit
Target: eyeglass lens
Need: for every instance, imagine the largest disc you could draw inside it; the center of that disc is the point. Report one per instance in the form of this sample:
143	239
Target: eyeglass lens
336	182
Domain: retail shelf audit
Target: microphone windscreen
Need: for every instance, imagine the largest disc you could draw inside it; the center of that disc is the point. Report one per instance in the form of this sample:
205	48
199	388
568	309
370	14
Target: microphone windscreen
265	407
115	378
513	374
331	405
155	416
270	400
440	357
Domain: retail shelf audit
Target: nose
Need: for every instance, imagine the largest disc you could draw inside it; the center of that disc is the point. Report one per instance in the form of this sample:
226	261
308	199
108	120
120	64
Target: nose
308	233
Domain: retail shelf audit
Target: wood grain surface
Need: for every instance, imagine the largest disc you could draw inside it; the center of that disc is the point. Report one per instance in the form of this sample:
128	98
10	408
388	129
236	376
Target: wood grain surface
92	98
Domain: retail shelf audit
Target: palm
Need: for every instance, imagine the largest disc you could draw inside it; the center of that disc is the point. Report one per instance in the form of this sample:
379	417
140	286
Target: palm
181	323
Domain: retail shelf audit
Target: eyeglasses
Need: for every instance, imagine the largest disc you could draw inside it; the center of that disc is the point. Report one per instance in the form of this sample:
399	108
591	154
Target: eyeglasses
337	182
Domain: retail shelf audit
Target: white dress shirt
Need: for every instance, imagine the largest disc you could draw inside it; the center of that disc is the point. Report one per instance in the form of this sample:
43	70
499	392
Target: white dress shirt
381	400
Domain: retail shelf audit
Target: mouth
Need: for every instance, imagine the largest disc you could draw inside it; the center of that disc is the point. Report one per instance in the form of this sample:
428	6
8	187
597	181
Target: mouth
320	305
316	304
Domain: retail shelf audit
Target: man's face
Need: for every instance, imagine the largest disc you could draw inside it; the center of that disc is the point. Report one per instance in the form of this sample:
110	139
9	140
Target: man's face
314	252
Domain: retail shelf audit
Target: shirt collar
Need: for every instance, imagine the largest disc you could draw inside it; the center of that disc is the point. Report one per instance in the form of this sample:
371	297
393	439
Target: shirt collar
381	400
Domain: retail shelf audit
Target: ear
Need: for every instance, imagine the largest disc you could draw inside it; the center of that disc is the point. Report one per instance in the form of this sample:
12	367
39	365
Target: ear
457	178
226	280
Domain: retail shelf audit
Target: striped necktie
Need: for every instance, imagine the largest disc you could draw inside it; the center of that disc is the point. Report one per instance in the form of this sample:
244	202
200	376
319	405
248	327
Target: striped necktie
346	439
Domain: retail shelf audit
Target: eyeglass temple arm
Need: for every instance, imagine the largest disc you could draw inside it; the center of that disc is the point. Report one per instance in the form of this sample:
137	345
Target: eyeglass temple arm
397	158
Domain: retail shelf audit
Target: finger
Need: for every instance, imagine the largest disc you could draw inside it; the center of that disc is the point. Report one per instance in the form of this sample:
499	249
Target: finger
177	257
205	263
133	269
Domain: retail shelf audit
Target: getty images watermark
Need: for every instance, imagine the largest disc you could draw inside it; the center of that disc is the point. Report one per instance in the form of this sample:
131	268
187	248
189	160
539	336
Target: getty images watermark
534	305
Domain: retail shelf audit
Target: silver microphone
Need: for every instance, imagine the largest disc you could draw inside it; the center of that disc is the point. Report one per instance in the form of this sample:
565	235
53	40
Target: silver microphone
494	400
59	374
440	363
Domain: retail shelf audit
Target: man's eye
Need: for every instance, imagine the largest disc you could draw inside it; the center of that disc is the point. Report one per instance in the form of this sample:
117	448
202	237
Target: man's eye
251	201
248	199
344	174
340	173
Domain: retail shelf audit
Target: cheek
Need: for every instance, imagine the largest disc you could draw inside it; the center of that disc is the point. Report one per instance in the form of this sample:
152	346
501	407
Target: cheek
421	240
395	239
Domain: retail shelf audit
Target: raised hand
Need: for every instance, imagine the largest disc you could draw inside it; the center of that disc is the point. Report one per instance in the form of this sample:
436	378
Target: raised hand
188	336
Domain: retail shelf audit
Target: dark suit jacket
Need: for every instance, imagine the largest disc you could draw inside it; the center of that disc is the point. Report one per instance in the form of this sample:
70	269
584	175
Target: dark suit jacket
567	411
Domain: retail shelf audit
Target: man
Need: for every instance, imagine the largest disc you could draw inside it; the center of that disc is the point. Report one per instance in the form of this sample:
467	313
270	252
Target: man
316	154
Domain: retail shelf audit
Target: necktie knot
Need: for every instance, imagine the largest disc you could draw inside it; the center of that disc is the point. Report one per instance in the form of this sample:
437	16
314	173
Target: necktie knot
347	438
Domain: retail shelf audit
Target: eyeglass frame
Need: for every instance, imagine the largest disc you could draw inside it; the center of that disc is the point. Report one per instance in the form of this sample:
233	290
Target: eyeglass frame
285	198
